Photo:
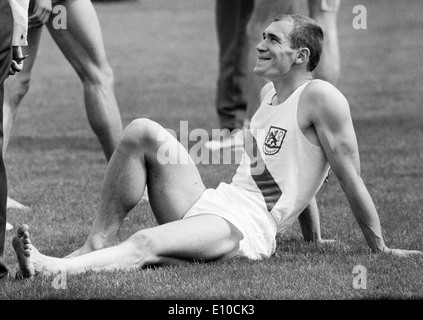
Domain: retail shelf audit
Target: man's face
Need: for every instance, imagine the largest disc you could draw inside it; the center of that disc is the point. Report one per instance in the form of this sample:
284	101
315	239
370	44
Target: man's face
275	55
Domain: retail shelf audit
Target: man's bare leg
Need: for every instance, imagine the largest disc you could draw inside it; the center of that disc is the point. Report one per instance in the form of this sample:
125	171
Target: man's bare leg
173	189
82	45
16	88
202	238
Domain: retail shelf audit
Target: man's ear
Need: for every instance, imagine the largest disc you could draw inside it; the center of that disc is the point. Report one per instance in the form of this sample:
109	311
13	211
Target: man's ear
303	55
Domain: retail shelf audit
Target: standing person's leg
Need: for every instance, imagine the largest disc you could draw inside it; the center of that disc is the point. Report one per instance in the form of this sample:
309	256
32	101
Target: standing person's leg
229	100
16	88
82	44
6	29
325	12
264	11
146	155
231	26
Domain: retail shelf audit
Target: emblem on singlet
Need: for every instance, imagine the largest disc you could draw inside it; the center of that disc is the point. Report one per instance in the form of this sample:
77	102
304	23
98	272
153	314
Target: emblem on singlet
274	140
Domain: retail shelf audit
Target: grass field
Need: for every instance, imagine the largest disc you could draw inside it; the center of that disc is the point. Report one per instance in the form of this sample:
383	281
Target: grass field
164	55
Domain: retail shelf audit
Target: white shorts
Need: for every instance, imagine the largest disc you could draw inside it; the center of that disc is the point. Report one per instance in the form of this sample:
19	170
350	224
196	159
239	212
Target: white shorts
234	205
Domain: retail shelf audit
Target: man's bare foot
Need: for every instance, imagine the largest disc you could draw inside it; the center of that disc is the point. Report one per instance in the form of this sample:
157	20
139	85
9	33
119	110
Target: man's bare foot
24	249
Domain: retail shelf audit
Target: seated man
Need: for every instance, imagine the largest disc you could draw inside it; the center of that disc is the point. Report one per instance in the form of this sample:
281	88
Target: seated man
302	127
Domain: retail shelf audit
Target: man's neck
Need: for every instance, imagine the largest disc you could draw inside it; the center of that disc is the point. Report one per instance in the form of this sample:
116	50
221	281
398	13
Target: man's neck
285	86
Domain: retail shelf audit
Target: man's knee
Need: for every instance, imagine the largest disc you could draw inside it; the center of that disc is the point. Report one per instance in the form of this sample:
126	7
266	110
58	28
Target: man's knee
144	248
141	133
17	88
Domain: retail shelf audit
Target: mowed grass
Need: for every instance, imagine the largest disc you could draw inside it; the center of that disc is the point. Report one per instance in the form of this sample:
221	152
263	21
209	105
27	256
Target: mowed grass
164	56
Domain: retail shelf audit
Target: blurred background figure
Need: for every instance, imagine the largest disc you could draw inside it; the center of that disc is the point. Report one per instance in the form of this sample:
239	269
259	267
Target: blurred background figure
13	35
239	26
232	17
81	42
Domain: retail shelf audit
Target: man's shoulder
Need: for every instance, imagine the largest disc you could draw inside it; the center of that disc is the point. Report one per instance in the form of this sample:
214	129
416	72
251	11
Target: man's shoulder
320	89
322	94
322	100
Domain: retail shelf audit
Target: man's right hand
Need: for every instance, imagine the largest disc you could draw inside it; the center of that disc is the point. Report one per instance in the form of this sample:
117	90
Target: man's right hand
42	11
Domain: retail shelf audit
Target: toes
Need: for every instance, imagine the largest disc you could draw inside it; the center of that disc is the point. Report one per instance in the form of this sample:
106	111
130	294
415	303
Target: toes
16	242
26	241
20	246
22	230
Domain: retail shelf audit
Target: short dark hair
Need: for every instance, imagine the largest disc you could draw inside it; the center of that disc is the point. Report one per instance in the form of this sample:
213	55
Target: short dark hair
306	33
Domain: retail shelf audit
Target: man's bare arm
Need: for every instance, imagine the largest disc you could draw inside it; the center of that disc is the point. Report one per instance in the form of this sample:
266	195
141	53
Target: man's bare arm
310	222
332	121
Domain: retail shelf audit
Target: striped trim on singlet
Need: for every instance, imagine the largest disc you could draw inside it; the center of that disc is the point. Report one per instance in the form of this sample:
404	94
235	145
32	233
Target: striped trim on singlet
262	177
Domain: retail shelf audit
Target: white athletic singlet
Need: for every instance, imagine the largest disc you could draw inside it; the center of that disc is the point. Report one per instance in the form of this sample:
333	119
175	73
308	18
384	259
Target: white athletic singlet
280	168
